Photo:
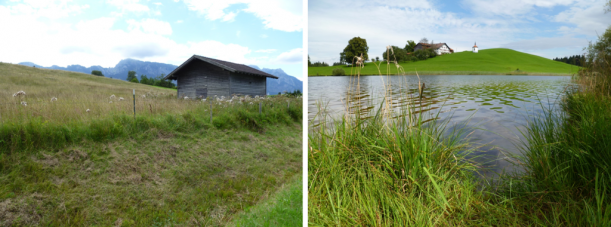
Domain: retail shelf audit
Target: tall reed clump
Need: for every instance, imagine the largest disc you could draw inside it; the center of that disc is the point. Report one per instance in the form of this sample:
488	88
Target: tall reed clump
567	152
390	168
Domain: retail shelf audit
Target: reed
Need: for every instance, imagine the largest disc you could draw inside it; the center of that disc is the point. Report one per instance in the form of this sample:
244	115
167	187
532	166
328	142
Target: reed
567	151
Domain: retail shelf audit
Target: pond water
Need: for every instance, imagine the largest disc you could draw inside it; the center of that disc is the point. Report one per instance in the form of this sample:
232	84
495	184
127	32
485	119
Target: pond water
494	108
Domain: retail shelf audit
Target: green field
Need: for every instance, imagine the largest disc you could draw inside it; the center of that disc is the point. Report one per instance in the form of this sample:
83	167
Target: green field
497	61
170	165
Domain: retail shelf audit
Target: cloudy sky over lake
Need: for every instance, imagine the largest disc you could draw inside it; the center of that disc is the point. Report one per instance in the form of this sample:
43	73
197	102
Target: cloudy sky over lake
548	28
65	32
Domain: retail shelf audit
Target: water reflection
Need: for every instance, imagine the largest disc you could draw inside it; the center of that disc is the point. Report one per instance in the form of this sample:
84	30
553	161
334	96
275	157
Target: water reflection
494	108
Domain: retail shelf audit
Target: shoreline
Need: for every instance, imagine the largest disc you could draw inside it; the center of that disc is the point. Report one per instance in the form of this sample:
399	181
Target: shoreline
464	73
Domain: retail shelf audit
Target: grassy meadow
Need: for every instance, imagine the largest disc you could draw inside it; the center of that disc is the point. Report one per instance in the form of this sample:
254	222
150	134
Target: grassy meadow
61	165
497	61
386	171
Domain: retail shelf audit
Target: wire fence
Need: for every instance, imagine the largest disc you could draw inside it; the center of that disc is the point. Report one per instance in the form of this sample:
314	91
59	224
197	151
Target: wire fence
138	105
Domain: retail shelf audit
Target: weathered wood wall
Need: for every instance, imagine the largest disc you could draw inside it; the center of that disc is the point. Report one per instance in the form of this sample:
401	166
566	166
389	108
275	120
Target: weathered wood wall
200	76
244	84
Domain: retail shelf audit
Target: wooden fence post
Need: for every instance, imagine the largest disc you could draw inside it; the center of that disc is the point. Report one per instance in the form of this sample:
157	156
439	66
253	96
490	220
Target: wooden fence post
134	104
259	107
210	112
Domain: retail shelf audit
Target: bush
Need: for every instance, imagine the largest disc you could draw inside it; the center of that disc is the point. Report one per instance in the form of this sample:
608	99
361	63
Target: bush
97	73
339	72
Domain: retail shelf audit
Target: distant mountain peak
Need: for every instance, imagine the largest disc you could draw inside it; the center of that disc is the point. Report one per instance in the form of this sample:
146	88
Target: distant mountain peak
284	83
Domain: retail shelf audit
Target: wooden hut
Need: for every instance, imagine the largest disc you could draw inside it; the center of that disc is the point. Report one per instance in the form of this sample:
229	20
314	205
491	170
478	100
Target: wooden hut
200	76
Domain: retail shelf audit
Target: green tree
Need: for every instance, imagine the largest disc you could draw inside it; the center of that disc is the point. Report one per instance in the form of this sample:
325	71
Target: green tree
356	47
97	73
309	62
400	55
600	51
145	80
409	47
131	75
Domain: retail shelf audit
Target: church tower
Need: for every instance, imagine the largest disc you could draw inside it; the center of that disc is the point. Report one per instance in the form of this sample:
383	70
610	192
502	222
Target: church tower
475	48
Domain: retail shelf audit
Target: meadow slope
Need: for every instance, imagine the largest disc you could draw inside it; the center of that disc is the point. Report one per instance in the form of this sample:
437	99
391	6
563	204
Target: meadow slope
171	164
487	62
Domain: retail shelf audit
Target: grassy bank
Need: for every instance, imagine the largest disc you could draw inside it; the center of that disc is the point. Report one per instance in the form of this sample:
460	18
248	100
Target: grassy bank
386	171
568	150
498	61
170	165
284	209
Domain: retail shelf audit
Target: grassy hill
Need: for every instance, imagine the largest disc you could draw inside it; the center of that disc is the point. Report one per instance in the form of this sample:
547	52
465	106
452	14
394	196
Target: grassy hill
490	61
170	165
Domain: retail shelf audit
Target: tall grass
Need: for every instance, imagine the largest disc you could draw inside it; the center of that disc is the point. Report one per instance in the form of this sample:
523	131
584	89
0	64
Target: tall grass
392	167
567	152
44	123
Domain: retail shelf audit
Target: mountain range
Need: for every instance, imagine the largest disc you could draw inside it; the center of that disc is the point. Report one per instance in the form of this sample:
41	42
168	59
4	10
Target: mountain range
284	82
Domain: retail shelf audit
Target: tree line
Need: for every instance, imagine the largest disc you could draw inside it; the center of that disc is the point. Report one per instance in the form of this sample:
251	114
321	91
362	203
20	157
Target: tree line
154	81
578	60
357	47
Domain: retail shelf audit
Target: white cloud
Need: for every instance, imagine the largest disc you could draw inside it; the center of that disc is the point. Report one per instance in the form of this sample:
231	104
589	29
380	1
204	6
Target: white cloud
52	9
157	3
230	16
266	51
99	42
238	34
215	49
276	14
588	19
512	8
523	25
151	26
179	21
290	57
547	43
129	5
264	36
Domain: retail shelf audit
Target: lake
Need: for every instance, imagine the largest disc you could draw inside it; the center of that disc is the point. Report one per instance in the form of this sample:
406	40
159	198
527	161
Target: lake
494	108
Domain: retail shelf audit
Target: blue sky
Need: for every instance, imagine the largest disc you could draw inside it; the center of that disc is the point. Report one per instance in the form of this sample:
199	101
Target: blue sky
65	32
548	28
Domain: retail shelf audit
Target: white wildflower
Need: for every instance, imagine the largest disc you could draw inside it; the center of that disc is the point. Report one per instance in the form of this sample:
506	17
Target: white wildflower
110	102
112	96
87	110
53	99
19	93
120	98
250	103
186	97
24	103
143	96
203	100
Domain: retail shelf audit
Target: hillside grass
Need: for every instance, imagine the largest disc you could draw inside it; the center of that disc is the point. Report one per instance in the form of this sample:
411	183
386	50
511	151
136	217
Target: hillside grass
497	61
170	165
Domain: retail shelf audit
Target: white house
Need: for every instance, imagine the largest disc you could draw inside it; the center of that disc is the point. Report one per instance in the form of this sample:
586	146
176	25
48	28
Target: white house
439	48
475	48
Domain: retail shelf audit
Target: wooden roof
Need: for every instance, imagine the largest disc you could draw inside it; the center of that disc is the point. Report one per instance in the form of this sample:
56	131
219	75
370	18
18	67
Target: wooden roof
229	66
